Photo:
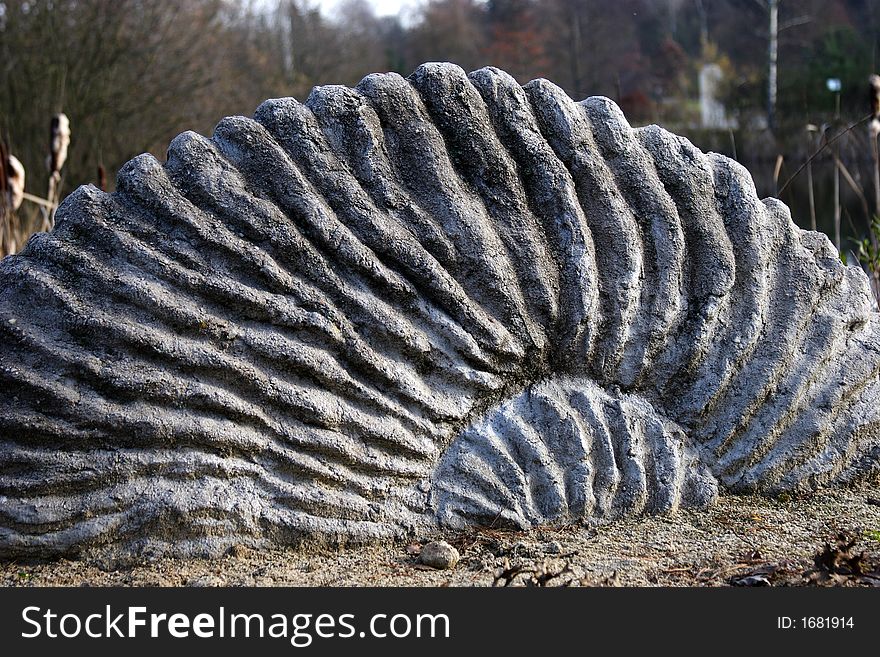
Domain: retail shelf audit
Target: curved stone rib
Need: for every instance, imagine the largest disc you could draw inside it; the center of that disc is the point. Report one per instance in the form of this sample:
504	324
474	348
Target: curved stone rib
662	239
565	451
456	107
419	303
618	257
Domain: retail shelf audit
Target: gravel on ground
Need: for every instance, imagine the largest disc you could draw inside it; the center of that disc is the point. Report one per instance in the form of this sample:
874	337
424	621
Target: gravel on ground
831	537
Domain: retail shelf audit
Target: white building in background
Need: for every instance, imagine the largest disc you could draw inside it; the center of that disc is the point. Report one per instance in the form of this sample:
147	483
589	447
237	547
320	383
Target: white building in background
712	112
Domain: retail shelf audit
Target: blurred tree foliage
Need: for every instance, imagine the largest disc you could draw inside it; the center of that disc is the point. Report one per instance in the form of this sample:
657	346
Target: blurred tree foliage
131	74
128	74
838	54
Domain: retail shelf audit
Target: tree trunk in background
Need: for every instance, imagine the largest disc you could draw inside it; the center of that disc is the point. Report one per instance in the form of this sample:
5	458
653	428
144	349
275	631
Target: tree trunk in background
773	9
704	27
576	51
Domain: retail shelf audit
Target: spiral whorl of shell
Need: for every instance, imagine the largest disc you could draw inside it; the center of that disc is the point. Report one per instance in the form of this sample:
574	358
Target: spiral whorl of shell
431	301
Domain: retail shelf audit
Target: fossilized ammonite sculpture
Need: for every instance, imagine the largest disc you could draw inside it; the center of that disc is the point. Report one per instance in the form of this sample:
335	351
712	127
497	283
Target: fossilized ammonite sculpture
423	302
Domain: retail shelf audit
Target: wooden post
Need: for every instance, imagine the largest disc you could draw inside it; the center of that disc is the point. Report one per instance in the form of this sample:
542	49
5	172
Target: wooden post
836	197
811	129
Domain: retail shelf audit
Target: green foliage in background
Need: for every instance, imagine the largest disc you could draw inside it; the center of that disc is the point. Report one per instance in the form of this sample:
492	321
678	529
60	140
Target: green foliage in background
841	54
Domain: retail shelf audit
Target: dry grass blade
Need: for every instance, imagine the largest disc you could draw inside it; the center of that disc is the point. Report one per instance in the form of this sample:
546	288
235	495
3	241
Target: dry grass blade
825	145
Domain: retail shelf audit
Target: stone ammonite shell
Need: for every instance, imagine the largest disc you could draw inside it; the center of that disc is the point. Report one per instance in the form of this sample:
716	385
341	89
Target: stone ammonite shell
423	302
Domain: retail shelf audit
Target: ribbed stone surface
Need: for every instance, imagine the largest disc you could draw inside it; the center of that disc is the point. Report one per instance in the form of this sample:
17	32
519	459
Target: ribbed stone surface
431	301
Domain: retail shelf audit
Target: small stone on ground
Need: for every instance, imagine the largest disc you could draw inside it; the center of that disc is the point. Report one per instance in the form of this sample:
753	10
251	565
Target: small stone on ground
440	555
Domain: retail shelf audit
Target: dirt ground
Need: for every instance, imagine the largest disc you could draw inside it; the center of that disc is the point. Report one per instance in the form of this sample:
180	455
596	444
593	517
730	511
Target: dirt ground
827	538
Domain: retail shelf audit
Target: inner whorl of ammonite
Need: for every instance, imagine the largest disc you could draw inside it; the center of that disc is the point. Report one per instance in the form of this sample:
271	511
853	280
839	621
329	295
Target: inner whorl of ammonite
440	300
566	450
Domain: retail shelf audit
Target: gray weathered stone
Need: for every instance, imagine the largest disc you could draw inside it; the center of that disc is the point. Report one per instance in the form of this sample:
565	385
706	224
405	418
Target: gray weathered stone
440	555
431	301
